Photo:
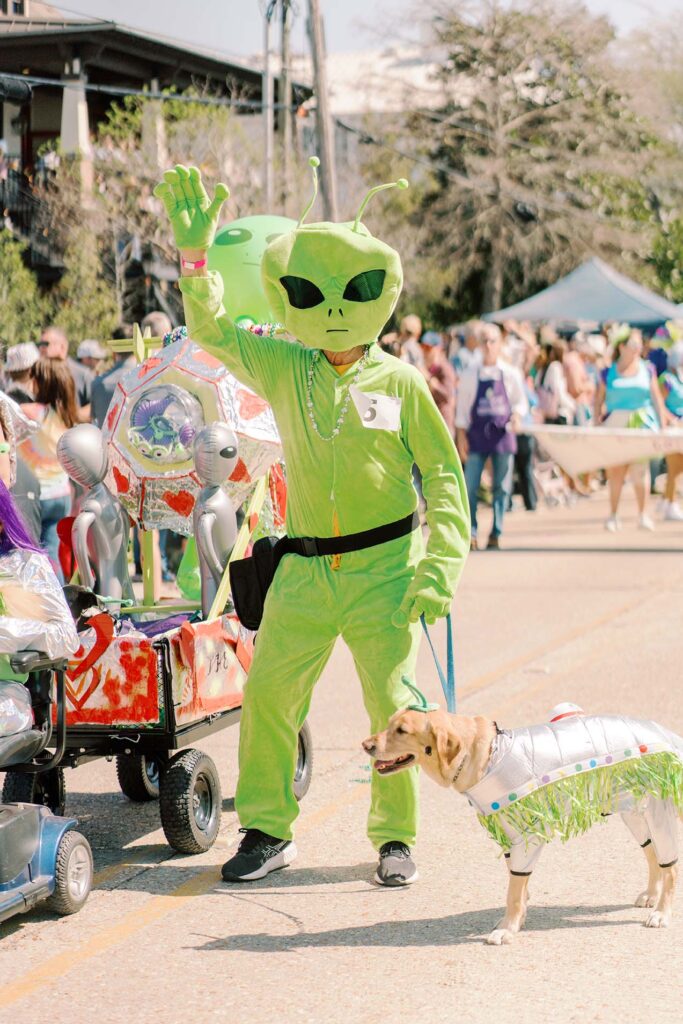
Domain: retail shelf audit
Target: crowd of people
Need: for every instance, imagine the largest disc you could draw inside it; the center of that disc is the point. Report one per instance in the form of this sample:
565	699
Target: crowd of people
487	381
57	391
490	381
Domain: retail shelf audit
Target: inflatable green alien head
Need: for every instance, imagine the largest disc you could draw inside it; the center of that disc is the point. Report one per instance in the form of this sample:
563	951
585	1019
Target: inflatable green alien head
333	286
236	254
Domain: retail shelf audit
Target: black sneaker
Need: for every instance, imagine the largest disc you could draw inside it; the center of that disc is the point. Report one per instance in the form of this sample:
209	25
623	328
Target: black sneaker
257	856
396	866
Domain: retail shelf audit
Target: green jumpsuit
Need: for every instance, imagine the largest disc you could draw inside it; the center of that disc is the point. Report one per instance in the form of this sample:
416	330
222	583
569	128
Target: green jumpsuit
362	478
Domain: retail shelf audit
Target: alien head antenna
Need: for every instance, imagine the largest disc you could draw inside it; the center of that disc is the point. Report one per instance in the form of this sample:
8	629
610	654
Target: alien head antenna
314	164
401	183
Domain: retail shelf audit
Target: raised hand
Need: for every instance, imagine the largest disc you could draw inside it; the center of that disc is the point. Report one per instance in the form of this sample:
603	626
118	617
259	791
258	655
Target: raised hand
193	216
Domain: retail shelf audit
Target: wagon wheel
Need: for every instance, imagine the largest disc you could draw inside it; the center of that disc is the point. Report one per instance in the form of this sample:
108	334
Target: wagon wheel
190	802
304	763
46	788
138	776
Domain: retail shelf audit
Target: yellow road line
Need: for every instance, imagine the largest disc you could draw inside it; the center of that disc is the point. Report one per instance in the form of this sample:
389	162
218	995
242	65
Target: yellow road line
136	920
132	860
159	906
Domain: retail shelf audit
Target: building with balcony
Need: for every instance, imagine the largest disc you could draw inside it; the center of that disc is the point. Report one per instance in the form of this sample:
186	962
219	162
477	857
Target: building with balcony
77	67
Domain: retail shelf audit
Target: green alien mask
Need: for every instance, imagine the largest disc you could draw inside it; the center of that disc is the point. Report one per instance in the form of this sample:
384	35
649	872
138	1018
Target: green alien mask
333	286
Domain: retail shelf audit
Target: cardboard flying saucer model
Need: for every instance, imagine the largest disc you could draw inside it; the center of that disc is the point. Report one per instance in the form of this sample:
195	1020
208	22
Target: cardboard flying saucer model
156	412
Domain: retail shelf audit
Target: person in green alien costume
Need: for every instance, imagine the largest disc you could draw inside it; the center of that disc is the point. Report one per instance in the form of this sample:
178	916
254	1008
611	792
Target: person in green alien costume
353	421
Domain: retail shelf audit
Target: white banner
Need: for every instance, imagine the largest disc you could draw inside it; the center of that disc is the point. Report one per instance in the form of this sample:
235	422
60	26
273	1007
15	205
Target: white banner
584	449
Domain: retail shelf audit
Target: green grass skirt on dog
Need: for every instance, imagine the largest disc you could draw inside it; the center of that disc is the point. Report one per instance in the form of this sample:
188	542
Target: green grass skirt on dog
569	807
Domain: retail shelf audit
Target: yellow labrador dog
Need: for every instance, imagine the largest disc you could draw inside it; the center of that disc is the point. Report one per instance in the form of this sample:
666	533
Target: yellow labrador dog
466	753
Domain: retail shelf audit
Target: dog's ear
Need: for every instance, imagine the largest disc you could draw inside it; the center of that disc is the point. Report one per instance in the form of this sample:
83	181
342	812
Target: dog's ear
447	748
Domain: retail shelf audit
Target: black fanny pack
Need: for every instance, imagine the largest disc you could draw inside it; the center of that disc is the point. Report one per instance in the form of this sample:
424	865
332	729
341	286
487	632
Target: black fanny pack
251	577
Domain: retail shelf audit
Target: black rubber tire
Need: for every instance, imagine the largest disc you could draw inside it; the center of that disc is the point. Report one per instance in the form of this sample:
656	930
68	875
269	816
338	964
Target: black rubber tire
304	765
73	856
46	788
138	777
190	802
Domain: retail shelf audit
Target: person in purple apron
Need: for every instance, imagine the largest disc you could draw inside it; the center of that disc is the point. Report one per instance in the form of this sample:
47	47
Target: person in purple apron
491	403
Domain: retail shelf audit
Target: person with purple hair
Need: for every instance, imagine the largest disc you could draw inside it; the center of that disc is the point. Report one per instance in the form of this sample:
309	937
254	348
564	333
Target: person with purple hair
33	612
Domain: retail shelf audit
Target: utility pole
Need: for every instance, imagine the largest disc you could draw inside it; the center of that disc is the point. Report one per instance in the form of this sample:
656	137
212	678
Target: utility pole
322	116
267	106
285	97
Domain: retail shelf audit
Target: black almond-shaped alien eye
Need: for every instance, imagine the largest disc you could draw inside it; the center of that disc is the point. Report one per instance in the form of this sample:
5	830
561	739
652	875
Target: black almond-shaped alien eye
365	287
228	453
302	294
233	236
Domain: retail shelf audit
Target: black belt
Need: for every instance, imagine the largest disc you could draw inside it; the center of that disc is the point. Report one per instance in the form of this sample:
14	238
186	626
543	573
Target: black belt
310	547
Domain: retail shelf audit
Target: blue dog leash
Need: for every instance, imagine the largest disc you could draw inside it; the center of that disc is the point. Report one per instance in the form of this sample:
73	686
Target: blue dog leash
447	679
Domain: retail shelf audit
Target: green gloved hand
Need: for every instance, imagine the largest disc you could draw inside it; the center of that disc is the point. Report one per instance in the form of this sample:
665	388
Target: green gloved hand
193	216
423	597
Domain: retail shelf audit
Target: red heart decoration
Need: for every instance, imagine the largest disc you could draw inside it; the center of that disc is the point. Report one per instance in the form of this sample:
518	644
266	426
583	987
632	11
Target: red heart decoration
240	472
103	625
122	482
149	365
207	359
250	405
111	416
182	502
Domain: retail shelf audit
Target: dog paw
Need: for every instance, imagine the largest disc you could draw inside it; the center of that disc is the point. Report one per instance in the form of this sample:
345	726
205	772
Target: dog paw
500	937
647	899
658	919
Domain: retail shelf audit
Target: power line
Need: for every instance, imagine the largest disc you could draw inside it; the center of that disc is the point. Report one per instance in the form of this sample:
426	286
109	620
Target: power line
150	94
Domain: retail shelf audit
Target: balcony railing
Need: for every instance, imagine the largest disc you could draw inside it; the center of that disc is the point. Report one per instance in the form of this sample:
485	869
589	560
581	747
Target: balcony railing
27	218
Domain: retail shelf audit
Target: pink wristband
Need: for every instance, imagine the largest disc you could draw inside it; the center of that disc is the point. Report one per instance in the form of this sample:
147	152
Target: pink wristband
189	265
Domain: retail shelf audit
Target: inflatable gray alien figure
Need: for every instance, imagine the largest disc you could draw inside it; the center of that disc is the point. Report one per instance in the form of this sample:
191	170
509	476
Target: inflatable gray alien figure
99	534
214	518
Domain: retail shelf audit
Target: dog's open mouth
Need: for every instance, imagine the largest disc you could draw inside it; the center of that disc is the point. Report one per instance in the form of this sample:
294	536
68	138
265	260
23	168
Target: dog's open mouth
387	767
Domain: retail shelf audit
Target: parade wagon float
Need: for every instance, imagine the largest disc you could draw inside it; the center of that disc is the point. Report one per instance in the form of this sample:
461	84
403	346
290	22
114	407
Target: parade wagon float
150	680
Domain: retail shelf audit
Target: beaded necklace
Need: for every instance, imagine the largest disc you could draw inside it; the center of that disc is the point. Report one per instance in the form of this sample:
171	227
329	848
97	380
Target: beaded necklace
347	398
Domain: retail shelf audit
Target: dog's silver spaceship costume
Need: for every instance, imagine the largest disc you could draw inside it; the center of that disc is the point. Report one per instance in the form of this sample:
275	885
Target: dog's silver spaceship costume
557	780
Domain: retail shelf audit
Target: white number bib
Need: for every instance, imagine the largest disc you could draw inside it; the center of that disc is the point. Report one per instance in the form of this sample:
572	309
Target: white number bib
377	412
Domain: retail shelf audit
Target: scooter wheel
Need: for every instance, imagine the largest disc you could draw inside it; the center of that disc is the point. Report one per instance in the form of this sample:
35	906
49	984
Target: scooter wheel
73	874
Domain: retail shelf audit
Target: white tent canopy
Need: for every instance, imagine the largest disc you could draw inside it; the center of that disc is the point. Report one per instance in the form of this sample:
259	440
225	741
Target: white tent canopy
593	293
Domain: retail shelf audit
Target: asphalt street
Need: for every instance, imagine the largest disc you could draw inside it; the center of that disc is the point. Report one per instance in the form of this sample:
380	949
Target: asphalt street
564	612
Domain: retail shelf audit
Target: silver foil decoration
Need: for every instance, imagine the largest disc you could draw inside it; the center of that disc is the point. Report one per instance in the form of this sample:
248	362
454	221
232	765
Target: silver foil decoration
16	427
53	632
156	412
16	713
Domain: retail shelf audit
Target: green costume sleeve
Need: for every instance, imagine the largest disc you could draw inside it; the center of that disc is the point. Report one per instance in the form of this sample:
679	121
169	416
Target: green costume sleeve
448	518
254	359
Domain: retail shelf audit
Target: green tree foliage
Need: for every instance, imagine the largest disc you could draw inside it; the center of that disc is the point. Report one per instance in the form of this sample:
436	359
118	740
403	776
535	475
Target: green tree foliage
138	139
531	159
22	307
667	260
84	301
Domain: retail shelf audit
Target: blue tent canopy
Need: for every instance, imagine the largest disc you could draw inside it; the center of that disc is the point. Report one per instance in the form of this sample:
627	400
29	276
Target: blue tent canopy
593	293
